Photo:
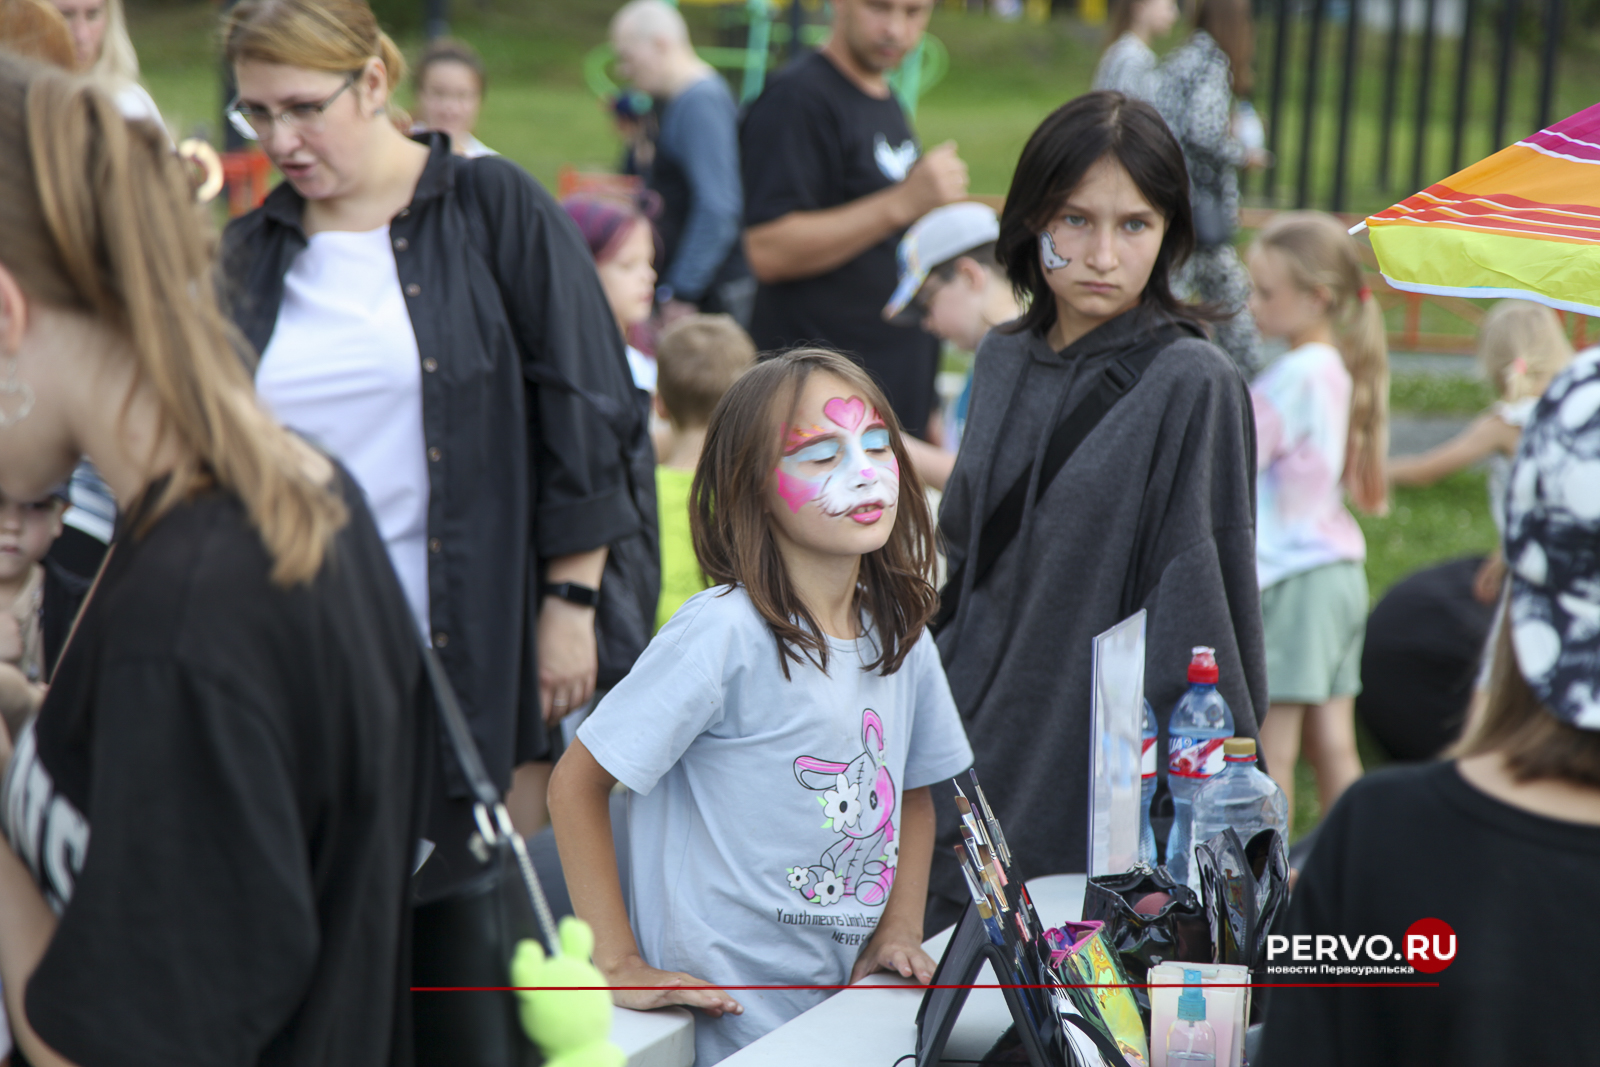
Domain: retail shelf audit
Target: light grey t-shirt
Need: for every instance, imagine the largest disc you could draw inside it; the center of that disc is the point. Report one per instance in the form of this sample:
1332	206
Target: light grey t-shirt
763	822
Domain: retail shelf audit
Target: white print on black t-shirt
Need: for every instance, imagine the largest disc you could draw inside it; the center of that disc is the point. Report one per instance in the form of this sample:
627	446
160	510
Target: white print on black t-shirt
894	162
48	832
858	802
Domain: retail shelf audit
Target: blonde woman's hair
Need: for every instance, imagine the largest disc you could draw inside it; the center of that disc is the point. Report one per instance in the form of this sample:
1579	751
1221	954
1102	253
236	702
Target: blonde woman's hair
1522	347
118	65
334	36
98	217
1319	255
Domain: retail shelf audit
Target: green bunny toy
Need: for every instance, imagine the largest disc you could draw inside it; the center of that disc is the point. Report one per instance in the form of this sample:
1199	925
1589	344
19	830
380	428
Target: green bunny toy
571	1026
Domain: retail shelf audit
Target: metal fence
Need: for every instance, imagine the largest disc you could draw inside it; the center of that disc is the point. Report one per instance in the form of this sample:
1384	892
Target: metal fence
1352	90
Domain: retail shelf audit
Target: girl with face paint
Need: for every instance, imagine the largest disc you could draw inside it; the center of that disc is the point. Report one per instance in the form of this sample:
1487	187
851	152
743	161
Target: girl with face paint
813	528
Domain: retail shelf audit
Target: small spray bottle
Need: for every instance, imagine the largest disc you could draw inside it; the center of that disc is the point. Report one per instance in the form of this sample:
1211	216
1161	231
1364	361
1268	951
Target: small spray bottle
1191	1042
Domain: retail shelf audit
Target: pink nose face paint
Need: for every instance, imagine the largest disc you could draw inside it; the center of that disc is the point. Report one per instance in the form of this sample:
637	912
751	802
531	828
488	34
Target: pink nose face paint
846	466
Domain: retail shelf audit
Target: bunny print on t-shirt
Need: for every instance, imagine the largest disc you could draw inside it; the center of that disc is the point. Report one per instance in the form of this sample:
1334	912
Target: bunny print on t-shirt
858	802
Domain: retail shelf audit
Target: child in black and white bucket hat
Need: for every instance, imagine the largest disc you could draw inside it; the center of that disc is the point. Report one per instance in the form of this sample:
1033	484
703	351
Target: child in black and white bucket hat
1553	547
1468	867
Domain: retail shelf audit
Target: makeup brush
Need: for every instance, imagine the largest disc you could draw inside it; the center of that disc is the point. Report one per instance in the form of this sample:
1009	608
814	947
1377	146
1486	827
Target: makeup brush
994	824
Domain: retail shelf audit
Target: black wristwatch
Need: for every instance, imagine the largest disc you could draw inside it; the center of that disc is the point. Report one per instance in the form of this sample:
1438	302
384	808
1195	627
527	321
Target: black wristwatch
582	595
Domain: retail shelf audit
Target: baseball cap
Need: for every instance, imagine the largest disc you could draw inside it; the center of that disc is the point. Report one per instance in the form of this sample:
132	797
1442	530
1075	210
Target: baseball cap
1553	546
933	240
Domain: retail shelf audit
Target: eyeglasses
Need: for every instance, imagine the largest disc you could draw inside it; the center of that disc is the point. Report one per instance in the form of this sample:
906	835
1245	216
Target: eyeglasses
256	122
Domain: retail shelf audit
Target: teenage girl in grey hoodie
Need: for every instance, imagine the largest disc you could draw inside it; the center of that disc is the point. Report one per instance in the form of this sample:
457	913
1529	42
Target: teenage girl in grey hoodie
1155	509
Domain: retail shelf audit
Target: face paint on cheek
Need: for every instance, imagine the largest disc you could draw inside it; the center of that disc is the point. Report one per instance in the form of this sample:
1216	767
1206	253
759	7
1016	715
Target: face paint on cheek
796	492
1048	255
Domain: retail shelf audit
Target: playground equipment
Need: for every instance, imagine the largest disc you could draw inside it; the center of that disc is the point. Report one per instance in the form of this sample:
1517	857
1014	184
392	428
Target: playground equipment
778	26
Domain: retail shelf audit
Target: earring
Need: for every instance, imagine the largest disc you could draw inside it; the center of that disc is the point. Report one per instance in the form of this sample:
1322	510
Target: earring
11	386
1048	254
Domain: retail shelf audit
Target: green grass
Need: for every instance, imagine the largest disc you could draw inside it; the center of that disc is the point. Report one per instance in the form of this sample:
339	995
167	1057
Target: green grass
1425	526
1438	394
1003	79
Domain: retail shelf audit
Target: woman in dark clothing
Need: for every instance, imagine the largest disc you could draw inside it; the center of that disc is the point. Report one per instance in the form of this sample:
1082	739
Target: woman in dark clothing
402	299
1155	509
212	821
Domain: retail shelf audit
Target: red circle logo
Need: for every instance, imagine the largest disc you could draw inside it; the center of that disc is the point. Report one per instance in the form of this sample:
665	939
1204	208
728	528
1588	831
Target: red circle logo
1430	945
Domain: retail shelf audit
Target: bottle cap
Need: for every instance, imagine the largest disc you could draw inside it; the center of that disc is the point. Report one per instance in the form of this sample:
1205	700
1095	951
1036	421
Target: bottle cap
1192	1004
1239	748
1203	666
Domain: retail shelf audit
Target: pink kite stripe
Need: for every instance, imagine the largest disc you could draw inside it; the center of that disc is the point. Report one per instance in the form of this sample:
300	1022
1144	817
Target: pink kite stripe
1585	125
1439	196
1562	149
1533	220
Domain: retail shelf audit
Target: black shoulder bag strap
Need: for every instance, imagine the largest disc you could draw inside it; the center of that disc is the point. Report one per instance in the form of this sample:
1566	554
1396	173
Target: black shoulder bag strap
1001	527
488	810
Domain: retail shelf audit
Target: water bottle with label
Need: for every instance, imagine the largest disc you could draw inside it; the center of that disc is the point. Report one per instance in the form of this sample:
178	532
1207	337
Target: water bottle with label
1147	788
1201	721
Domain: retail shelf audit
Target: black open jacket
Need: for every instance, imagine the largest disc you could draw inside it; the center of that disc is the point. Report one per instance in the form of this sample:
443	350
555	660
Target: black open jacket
497	280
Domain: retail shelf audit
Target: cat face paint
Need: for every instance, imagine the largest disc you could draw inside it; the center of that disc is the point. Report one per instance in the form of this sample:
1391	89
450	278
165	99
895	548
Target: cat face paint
845	466
1047	252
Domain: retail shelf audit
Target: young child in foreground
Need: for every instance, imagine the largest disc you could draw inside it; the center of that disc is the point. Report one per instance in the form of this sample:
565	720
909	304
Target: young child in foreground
27	531
697	359
780	733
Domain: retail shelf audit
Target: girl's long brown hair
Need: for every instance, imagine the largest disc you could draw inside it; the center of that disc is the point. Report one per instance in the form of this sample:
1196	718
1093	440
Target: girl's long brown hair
732	531
1320	255
97	216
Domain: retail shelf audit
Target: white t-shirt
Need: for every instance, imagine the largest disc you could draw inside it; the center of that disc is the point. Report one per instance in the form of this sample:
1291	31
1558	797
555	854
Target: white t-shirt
763	822
342	368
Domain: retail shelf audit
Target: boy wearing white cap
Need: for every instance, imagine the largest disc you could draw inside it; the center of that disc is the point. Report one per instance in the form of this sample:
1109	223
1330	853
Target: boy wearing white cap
951	285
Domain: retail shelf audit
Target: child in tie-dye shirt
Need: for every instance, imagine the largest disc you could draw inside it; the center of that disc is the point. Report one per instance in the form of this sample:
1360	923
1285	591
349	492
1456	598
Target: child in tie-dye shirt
1321	431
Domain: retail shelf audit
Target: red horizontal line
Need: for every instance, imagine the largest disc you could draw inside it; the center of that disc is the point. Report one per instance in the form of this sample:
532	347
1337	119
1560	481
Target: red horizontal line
981	985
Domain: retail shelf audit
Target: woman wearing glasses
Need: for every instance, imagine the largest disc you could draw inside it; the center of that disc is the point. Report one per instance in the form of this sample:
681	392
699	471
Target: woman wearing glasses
402	299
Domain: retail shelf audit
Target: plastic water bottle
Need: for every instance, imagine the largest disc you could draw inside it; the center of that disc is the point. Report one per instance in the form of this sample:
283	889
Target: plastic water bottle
1241	797
1191	1042
1201	721
1147	787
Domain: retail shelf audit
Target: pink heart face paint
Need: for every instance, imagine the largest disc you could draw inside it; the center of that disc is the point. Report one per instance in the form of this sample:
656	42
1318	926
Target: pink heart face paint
845	466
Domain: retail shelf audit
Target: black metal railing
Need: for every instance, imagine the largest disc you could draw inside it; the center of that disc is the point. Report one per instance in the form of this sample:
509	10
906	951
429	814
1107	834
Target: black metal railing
1364	101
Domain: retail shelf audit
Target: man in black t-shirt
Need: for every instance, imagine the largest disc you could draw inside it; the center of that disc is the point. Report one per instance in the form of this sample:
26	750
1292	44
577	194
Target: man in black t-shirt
832	179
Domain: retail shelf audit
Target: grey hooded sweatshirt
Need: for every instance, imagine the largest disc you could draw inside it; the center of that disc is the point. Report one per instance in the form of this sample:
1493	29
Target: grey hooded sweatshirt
1155	510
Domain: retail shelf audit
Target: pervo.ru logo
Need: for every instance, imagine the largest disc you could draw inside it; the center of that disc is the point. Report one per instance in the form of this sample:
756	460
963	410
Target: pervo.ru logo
1430	947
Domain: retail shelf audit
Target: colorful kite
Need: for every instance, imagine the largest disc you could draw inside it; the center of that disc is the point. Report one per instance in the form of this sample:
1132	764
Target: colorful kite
1524	222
